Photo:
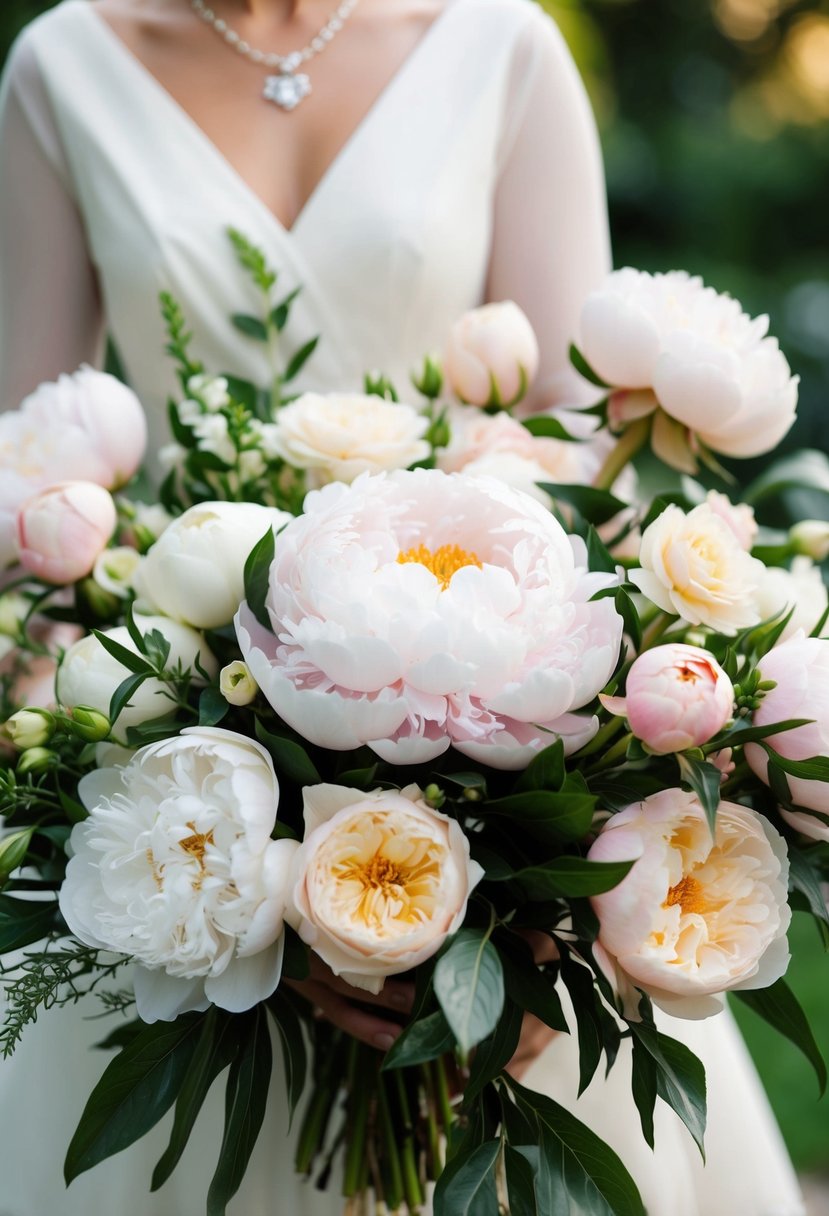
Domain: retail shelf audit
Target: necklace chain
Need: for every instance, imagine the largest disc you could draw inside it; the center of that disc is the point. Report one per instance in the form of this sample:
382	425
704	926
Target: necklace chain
270	59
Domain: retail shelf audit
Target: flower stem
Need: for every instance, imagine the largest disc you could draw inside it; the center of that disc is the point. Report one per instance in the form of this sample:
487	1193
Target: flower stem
360	1085
634	437
603	735
394	1183
661	624
411	1179
612	756
447	1115
435	1159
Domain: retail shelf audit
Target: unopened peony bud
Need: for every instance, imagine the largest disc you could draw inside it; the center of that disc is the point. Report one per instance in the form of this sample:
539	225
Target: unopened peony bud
61	530
491	356
237	685
35	760
13	611
429	379
96	604
13	850
89	724
29	728
114	570
811	538
434	796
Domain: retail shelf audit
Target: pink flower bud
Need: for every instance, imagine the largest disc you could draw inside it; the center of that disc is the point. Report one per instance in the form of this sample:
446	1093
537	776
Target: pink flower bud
491	356
61	530
677	697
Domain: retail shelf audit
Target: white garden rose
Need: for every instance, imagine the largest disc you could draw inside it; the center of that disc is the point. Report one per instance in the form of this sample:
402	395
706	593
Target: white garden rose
694	566
379	881
89	674
341	435
194	573
175	867
693	354
694	919
415	610
800	590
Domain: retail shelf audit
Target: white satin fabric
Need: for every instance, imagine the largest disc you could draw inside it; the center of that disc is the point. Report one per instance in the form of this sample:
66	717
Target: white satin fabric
476	175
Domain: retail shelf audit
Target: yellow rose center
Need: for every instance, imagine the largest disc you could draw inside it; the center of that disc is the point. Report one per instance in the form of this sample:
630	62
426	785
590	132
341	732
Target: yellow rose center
689	893
444	562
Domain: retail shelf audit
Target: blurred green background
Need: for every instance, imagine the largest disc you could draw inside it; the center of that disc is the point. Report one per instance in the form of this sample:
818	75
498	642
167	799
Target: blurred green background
714	121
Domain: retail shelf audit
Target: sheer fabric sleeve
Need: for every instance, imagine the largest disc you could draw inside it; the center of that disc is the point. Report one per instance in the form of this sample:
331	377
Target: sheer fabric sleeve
50	313
551	244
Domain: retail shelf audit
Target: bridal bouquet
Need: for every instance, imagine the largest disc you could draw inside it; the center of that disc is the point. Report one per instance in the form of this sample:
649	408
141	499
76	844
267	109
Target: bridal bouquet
421	690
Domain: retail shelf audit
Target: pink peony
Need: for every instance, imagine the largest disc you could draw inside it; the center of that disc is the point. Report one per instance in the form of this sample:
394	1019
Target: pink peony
414	610
491	355
676	697
62	530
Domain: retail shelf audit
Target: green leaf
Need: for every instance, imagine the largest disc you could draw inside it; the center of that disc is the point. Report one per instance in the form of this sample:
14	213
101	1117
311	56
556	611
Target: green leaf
545	427
75	811
181	433
280	314
295	962
426	1039
469	985
597	506
546	816
467	1185
704	779
127	658
242	391
680	1078
545	771
571	878
598	557
643	1085
290	759
125	690
743	733
806	879
121	1036
215	1050
496	1050
578	1172
136	1090
294	1055
579	982
245	1102
627	611
23	921
584	369
779	1007
257	574
251	326
212	706
815	768
807	469
532	988
520	1178
299	360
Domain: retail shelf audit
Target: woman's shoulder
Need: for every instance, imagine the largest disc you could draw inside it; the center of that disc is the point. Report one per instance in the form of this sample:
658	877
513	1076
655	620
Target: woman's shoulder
523	24
43	33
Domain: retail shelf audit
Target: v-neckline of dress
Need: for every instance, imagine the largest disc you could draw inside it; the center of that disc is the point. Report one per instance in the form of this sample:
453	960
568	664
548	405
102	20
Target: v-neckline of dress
342	155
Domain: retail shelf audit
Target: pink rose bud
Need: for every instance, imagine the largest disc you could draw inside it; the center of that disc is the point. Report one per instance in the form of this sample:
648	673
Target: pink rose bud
491	356
677	697
61	530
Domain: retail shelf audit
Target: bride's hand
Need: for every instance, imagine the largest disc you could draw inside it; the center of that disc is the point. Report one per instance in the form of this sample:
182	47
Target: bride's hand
342	1005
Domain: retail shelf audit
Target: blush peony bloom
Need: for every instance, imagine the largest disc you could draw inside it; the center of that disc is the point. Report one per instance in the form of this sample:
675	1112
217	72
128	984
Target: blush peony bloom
695	355
415	610
341	435
89	675
738	515
194	573
694	566
491	355
62	530
676	697
85	427
692	919
175	867
801	668
379	882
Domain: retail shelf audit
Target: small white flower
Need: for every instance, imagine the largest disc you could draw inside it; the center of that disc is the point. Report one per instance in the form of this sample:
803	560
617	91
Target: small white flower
189	411
175	867
236	684
211	431
115	568
171	456
212	390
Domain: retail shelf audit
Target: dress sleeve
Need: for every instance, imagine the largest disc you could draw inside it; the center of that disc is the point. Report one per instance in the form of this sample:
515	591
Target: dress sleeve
50	313
551	243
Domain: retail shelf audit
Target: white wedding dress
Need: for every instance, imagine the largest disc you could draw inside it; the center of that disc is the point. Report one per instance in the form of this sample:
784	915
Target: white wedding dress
475	175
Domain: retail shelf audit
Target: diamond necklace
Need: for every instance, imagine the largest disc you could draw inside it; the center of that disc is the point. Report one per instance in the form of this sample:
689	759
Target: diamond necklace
288	88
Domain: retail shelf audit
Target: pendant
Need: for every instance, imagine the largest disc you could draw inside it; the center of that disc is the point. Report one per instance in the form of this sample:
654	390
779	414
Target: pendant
287	89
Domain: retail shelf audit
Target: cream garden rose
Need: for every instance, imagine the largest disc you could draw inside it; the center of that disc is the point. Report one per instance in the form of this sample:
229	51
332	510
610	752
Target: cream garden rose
338	436
175	867
694	919
417	610
694	566
379	881
194	573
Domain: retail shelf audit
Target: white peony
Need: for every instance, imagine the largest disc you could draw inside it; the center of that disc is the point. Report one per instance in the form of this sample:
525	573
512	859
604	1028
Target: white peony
694	918
175	867
694	566
341	435
379	882
801	589
89	674
710	367
194	573
491	355
416	610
